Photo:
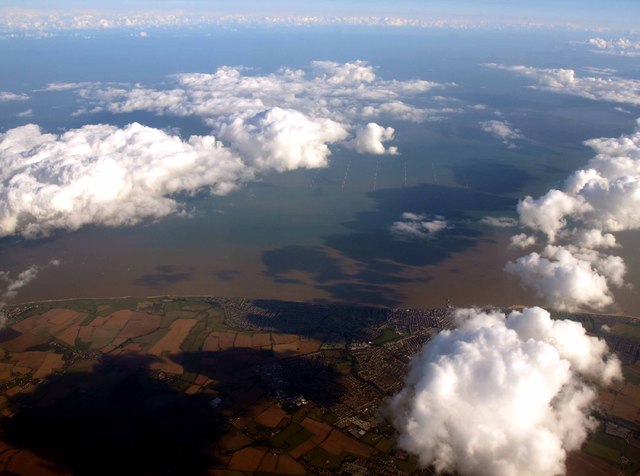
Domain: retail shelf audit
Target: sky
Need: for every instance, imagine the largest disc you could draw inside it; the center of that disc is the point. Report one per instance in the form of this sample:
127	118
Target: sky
616	14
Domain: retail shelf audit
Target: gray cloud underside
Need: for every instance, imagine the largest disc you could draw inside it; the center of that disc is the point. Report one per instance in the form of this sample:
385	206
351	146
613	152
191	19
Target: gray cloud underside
502	395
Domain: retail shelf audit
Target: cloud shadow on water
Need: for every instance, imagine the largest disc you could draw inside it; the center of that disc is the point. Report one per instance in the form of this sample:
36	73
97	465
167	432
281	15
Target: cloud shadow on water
379	257
165	275
490	177
227	274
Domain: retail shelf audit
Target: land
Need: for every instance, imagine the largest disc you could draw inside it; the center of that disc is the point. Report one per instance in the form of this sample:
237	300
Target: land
206	385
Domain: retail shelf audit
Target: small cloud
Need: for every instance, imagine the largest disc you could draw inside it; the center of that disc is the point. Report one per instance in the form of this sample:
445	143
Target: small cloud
68	86
27	113
8	96
369	140
502	130
522	241
499	222
412	225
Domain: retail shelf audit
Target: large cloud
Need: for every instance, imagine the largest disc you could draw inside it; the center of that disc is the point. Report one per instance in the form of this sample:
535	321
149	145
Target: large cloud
502	396
105	175
601	198
283	139
565	81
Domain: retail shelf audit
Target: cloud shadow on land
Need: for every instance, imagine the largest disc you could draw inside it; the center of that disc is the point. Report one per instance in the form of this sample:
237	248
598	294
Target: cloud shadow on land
246	375
165	275
124	417
378	255
116	419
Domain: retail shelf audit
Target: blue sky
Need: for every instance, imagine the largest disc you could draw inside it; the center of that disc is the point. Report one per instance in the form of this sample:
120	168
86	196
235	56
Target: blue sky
622	14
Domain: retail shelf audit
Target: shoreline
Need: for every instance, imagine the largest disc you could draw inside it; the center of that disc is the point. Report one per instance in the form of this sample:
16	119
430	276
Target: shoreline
209	296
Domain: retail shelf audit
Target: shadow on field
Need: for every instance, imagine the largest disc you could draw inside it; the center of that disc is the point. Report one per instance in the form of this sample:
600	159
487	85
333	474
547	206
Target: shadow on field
116	419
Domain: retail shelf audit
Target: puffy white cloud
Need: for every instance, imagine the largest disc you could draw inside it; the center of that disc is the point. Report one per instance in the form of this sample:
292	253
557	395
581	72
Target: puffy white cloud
369	139
565	81
522	240
570	278
592	239
605	195
549	213
620	47
502	130
235	103
502	395
412	225
102	174
596	201
345	73
9	96
344	92
499	222
283	139
281	121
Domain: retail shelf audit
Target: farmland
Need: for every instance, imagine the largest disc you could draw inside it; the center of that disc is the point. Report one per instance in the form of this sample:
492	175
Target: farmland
211	386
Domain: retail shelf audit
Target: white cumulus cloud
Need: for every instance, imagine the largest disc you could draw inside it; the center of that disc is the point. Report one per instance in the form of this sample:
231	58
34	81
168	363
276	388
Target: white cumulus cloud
502	130
569	278
620	46
502	395
283	139
9	96
101	174
578	221
369	139
522	240
412	225
346	93
566	81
